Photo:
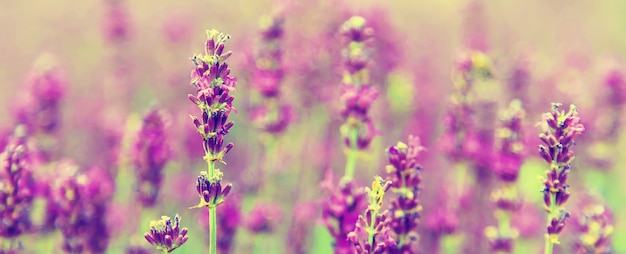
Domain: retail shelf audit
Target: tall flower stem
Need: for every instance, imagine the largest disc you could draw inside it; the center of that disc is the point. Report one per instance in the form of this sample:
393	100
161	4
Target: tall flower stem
549	241
352	155
212	214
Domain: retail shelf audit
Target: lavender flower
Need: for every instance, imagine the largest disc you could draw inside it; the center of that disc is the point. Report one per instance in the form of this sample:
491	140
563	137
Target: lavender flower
373	232
341	210
357	95
470	67
115	25
264	218
272	116
559	130
405	180
508	161
595	229
17	186
166	235
151	153
80	202
39	109
213	84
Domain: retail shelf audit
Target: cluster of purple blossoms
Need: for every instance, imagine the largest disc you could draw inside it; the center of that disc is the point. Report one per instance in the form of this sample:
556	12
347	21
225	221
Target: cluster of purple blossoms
39	109
460	140
559	130
272	116
166	235
604	129
214	86
264	218
115	25
341	210
228	221
151	153
595	227
80	201
373	233
509	155
17	187
357	95
405	178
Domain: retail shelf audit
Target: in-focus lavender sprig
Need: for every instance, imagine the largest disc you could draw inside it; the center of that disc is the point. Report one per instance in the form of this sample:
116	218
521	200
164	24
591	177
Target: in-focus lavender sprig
373	232
357	94
560	128
509	155
214	85
151	153
17	187
405	178
166	235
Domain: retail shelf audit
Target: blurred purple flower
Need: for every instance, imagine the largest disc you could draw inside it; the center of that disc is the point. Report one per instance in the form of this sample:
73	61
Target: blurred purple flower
595	227
17	187
116	24
510	143
80	200
272	116
405	178
38	109
264	217
341	210
151	153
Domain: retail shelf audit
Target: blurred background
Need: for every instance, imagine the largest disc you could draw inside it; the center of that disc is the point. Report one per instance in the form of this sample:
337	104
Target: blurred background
115	60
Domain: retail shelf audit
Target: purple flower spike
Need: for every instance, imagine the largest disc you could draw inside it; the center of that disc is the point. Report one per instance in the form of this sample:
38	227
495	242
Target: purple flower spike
166	235
151	153
17	186
357	95
560	128
405	178
39	111
80	199
341	210
272	116
264	218
210	190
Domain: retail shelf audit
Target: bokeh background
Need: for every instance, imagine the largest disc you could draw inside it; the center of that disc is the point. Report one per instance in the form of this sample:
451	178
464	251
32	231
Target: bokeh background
566	47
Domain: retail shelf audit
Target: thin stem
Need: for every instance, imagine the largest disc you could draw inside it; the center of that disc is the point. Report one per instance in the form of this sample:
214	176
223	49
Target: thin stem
549	243
351	160
212	214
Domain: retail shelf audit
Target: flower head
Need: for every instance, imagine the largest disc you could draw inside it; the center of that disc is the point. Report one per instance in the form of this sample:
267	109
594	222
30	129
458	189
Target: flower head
405	179
166	235
560	128
151	153
17	187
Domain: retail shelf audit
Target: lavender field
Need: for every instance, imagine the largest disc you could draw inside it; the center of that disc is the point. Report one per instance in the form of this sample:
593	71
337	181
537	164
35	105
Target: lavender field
321	126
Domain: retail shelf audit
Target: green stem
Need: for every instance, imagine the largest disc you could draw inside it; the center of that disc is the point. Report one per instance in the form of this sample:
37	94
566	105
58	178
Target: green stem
549	244
212	214
351	160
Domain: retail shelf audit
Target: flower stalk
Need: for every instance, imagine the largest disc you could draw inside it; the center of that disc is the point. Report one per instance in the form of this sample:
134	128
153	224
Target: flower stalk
213	83
357	95
559	130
